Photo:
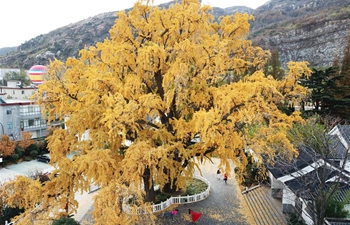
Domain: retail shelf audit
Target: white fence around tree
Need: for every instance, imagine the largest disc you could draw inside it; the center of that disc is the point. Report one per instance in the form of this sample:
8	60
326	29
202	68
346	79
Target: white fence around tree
184	199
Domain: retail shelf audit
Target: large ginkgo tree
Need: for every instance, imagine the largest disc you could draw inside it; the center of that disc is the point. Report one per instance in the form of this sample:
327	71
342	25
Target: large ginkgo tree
148	104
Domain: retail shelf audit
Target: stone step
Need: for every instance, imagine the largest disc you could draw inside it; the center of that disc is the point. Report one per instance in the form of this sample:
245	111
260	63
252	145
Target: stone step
262	207
275	212
259	214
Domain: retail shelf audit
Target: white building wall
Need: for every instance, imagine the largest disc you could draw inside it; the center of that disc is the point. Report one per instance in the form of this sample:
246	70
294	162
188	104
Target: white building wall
347	165
306	217
288	197
17	93
16	115
275	184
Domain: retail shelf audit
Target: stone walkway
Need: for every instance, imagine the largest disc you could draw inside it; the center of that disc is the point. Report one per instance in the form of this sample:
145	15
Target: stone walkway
225	204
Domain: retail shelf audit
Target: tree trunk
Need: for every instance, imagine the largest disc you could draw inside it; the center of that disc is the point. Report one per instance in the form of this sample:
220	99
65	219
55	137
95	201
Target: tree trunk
170	189
148	187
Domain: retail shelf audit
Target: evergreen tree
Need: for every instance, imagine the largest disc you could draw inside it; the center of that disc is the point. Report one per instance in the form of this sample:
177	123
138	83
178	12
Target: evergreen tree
345	67
327	96
275	66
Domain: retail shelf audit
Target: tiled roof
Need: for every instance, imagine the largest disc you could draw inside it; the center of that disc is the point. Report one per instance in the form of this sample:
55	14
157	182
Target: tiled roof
305	158
305	171
340	138
309	190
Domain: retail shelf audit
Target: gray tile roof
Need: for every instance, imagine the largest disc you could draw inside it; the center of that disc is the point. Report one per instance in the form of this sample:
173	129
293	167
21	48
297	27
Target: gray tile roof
282	167
340	138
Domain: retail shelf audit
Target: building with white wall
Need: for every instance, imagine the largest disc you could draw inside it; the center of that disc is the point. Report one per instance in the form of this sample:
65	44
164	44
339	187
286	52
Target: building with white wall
14	90
21	115
18	113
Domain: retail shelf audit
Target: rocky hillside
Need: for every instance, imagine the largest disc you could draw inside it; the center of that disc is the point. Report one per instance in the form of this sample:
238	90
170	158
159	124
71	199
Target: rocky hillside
310	30
60	43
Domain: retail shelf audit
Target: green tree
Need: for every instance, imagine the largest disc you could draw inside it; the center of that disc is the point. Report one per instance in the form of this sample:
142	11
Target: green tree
275	66
154	102
327	96
21	76
336	208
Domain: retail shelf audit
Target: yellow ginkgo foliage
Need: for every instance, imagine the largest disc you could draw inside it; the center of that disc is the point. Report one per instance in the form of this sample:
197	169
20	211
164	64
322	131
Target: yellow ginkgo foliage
154	99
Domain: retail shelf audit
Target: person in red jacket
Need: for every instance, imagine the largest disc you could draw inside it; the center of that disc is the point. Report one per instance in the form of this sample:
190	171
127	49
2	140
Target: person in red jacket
195	215
225	178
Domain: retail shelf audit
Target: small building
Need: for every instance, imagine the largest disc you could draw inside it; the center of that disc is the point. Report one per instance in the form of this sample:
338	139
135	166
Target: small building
295	182
14	90
18	113
21	115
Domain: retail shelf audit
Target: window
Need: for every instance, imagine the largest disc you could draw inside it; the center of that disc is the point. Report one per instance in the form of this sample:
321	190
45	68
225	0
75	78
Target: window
22	92
13	92
8	111
9	125
30	123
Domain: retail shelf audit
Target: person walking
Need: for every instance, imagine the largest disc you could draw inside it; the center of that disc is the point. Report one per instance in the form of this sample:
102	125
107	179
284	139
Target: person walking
225	178
195	215
172	214
218	172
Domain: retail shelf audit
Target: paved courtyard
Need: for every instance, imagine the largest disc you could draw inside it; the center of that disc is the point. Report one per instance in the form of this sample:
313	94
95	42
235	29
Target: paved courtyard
225	204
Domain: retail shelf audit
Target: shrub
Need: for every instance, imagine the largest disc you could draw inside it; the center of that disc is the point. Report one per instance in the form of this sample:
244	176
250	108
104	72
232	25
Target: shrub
65	221
14	157
195	186
336	209
294	219
8	213
42	145
18	152
30	148
161	197
33	153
